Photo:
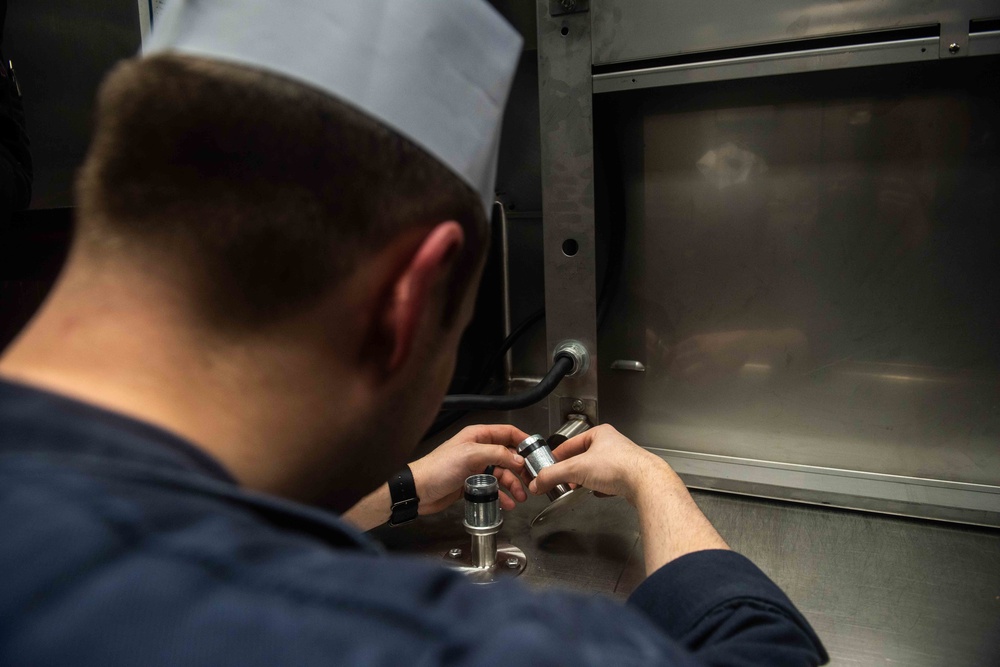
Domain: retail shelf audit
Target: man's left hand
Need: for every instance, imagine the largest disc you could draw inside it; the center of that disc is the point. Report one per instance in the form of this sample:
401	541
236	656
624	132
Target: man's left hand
440	476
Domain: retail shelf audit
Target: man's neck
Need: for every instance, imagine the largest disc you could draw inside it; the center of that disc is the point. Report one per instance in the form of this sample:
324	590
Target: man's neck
123	341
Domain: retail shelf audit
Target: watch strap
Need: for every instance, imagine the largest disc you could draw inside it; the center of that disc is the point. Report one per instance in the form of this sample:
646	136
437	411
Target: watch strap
403	495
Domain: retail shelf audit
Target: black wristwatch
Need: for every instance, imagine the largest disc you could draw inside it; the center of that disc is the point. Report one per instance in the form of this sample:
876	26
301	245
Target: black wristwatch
403	494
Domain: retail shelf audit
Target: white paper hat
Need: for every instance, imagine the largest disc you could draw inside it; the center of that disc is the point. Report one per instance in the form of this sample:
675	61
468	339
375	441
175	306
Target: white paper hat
435	71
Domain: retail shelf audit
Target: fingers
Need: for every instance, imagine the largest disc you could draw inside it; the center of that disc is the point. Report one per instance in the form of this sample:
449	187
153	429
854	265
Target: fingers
559	473
512	484
506	502
503	434
480	456
575	446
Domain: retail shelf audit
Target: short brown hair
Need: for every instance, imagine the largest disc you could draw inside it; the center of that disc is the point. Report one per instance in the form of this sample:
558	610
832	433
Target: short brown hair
276	190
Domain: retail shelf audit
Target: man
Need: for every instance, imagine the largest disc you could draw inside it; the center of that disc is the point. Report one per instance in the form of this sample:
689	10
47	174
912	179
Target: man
281	223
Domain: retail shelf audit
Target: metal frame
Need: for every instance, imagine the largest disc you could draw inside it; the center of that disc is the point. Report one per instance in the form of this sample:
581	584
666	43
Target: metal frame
790	62
567	135
634	30
810	60
963	502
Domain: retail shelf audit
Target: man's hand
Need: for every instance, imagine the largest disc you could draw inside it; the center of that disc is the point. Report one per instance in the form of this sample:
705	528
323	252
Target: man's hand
440	476
605	461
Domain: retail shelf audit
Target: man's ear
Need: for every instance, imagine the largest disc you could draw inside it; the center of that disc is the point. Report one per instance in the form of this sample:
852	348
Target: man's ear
413	291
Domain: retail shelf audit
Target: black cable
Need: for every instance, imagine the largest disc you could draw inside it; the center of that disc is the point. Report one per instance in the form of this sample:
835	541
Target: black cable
446	417
454	406
560	369
487	371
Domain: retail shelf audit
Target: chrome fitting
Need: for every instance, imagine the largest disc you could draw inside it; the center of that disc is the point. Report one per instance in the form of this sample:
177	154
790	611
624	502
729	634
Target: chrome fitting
574	426
537	456
486	561
577	351
482	518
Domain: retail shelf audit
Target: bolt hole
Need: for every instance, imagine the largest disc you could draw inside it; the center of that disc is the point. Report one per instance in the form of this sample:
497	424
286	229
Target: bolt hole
570	247
633	80
923	50
564	30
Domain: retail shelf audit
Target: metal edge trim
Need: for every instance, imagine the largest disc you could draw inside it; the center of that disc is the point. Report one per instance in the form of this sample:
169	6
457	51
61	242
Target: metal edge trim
967	517
882	53
984	43
828	471
888	494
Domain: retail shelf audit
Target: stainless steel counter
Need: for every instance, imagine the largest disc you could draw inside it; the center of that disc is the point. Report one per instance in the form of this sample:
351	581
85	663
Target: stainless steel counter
878	589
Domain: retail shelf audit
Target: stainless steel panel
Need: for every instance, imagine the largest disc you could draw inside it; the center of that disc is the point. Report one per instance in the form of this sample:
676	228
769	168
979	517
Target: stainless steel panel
625	30
568	197
878	590
814	283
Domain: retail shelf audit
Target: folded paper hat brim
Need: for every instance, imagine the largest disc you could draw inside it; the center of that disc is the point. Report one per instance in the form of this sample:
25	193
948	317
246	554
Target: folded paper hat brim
438	73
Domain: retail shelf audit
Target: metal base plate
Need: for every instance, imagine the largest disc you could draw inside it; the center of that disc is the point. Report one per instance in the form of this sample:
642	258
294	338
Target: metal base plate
504	568
561	504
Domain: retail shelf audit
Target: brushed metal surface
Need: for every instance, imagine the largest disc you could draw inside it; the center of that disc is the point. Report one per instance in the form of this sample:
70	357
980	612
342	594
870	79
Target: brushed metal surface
625	30
976	504
509	562
878	590
564	87
814	280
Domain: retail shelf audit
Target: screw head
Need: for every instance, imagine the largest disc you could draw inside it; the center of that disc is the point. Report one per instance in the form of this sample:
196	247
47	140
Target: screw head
455	553
578	406
512	563
568	4
954	47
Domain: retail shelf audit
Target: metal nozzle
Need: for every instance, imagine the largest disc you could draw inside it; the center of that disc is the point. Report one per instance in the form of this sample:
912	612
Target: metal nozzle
482	518
574	426
482	501
537	456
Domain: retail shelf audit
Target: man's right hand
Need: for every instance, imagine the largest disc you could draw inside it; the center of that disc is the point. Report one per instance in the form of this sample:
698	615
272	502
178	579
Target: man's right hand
605	461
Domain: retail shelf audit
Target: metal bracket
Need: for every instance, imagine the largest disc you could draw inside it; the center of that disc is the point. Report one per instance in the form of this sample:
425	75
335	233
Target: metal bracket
510	562
569	405
954	41
560	7
567	142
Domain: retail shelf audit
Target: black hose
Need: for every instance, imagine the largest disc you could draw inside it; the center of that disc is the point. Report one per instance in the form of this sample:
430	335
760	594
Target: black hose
455	405
494	361
560	369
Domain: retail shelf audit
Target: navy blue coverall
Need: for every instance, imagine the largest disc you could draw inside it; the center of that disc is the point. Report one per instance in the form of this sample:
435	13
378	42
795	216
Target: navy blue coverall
121	544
